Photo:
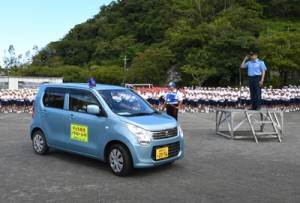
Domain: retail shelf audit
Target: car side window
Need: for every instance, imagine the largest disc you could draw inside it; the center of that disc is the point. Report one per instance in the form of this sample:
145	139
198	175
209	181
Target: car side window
80	99
54	99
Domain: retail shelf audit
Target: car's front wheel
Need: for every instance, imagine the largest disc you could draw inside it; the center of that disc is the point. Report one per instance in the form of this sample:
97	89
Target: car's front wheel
39	143
120	160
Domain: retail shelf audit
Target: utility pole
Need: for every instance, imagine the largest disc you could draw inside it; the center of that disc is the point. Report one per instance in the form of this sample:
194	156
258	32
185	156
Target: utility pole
125	62
124	69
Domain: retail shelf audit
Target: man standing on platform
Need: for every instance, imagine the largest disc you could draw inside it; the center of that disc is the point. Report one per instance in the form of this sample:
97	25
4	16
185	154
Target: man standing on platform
173	100
256	72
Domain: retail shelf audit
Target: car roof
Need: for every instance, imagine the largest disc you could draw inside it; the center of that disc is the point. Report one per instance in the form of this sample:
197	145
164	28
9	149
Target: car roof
85	86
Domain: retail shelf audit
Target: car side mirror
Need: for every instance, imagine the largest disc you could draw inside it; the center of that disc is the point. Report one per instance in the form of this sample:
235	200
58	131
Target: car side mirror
93	109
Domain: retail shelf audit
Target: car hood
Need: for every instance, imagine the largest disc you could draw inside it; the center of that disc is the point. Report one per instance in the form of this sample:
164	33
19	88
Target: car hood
152	122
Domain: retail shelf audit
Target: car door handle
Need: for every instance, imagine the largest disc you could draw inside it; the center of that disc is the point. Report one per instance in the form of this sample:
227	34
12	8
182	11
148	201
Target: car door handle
44	112
71	117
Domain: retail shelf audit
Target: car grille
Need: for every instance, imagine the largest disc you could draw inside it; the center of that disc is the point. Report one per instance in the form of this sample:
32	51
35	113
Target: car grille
163	134
174	149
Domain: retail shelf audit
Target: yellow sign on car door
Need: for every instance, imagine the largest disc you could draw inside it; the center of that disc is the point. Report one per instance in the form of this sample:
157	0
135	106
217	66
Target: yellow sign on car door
79	132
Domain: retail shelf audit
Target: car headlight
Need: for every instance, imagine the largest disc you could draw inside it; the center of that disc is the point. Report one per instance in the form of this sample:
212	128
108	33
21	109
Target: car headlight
140	134
180	131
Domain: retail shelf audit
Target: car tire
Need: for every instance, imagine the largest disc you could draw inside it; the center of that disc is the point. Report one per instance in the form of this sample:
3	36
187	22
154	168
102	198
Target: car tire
39	143
119	159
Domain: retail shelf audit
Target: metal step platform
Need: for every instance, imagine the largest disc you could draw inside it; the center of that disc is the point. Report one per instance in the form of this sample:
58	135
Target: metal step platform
264	124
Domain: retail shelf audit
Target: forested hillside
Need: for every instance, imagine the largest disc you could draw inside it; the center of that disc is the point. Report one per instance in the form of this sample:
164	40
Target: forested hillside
203	40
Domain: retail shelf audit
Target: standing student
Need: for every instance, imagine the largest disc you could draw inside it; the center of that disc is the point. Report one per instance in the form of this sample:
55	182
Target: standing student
256	73
184	101
173	100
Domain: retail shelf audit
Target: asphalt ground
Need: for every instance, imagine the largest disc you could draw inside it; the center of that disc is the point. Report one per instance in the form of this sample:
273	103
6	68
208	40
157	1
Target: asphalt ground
215	169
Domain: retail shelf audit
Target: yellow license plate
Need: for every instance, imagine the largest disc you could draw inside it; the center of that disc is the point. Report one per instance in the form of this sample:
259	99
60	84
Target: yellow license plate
162	153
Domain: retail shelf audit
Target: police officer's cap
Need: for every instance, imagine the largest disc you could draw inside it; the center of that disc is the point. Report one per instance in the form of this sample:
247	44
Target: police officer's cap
253	53
172	84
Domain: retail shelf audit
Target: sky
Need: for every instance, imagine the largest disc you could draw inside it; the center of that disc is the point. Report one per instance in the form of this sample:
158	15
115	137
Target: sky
25	23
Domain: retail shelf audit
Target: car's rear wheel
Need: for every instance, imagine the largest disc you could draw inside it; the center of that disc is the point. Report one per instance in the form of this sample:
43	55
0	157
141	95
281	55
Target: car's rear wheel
39	143
120	160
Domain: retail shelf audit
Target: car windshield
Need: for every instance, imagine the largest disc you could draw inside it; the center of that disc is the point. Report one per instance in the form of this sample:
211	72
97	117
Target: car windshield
126	103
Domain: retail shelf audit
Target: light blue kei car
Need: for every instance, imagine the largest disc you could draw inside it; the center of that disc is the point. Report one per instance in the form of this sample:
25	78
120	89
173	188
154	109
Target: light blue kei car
106	122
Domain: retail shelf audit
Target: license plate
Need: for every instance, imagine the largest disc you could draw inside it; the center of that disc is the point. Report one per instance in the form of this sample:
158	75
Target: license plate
162	153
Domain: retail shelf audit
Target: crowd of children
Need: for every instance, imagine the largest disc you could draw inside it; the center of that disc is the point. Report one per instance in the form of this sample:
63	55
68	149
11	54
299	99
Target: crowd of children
208	99
195	99
17	101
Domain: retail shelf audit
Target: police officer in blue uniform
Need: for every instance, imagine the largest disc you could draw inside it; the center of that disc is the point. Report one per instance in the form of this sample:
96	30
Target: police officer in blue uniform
173	100
256	72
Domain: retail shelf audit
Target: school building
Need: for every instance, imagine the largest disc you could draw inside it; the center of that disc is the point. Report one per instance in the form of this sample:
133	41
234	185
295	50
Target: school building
16	82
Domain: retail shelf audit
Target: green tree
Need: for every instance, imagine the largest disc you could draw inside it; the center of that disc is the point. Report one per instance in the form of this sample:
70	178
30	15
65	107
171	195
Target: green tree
281	51
224	30
199	67
151	66
70	73
10	61
280	8
200	75
107	74
41	58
